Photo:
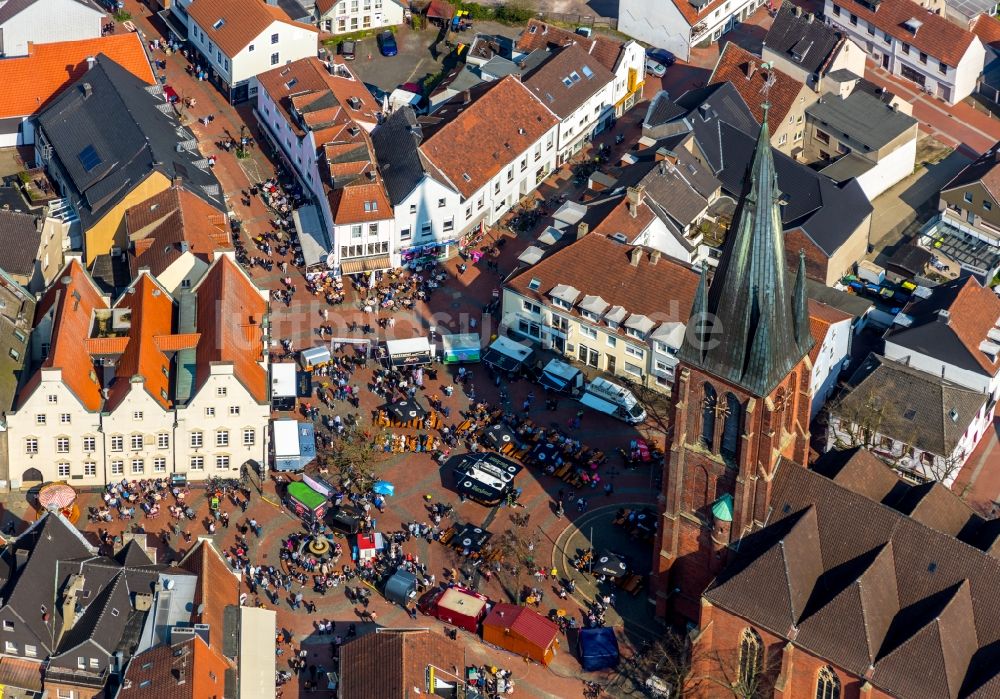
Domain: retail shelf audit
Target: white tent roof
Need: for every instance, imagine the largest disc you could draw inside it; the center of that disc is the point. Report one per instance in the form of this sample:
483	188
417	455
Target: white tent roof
286	437
412	344
282	379
531	255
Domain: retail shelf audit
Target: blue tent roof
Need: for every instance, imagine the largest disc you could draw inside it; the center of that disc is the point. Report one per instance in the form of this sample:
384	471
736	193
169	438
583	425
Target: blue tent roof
598	648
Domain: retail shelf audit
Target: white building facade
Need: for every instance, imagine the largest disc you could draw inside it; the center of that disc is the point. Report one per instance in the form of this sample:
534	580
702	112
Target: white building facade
49	21
344	16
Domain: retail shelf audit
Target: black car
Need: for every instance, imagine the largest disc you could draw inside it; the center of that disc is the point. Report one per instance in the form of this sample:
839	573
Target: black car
347	49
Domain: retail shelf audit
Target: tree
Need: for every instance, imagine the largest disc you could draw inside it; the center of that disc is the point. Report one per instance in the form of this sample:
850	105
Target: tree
354	457
515	552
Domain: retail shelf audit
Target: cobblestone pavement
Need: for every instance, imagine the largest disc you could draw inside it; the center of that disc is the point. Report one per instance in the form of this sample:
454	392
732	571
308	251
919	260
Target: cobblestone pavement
453	307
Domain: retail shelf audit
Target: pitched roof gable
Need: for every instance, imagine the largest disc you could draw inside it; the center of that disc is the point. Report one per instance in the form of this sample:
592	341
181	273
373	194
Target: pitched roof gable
233	24
469	150
230	318
32	81
539	35
744	71
71	302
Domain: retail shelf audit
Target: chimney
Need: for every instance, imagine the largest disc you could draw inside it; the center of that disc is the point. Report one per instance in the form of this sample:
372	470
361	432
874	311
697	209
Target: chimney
582	229
797	10
87	90
90	62
751	68
654	257
634	195
466	96
635	256
810	17
75	585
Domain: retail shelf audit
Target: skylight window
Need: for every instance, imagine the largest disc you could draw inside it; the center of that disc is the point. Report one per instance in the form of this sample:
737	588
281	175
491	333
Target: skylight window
89	158
587	72
574	76
534	284
567	82
291	83
218	24
465	176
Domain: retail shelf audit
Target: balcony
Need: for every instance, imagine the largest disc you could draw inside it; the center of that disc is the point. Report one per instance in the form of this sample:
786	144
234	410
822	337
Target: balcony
83	678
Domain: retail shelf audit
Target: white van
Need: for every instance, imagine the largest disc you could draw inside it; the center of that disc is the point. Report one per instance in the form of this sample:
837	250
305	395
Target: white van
612	399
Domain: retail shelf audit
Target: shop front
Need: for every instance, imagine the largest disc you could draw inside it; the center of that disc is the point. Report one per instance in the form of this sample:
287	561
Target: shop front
423	254
415	351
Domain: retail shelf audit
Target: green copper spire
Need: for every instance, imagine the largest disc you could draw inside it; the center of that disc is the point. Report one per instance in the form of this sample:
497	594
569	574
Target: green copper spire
758	324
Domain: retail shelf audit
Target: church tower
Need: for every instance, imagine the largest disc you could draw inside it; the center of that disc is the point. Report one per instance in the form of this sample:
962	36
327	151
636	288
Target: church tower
740	397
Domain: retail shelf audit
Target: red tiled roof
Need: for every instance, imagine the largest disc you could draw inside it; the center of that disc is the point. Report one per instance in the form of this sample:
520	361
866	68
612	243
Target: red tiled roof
621	220
539	35
347	204
987	28
30	82
72	300
471	144
243	21
174	343
105	345
231	312
693	15
526	623
389	665
596	265
821	317
733	66
152	315
160	226
217	588
154	673
936	37
972	314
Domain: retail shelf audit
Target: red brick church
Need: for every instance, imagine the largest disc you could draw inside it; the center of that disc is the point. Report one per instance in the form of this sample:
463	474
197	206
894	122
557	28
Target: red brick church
829	580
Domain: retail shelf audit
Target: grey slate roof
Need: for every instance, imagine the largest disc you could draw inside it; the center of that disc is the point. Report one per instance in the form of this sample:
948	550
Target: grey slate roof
19	241
118	132
852	304
801	38
912	406
862	117
55	551
847	167
725	132
846	572
760	320
395	142
567	80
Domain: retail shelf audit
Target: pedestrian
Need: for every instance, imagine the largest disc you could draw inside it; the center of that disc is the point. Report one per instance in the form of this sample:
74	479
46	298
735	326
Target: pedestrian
298	600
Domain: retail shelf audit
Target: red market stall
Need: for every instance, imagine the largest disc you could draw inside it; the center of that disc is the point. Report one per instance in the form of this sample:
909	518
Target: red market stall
523	631
457	606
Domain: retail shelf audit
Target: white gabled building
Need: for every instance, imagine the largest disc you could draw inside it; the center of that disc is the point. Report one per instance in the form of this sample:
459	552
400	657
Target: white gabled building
319	116
465	167
24	22
343	16
240	39
112	384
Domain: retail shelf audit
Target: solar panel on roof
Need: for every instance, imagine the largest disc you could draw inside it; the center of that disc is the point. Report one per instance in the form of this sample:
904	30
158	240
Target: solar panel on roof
89	158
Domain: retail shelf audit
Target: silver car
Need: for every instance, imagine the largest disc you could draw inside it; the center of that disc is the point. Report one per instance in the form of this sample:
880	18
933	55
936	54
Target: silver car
655	68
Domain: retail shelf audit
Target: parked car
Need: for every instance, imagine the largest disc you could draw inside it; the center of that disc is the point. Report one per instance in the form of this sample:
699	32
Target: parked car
655	68
387	43
347	49
662	56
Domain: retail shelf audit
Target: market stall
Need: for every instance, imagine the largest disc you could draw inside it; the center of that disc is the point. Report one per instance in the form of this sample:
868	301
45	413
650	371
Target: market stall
598	648
294	444
523	631
401	588
346	518
561	377
457	606
367	546
484	477
313	357
413	351
283	390
506	355
305	502
461	347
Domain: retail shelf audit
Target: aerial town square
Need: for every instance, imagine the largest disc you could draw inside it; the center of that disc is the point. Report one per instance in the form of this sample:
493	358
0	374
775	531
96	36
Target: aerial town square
381	349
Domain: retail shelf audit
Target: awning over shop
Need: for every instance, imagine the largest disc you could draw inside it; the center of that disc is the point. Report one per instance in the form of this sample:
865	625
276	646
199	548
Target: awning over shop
312	237
294	444
409	352
365	264
173	25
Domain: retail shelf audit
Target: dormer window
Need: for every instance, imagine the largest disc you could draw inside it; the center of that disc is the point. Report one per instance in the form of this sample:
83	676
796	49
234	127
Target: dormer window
218	24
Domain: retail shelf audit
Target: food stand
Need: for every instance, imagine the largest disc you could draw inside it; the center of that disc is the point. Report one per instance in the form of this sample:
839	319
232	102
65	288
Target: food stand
367	546
506	355
561	377
457	606
294	444
484	477
414	351
306	502
283	393
346	519
461	347
313	357
523	631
